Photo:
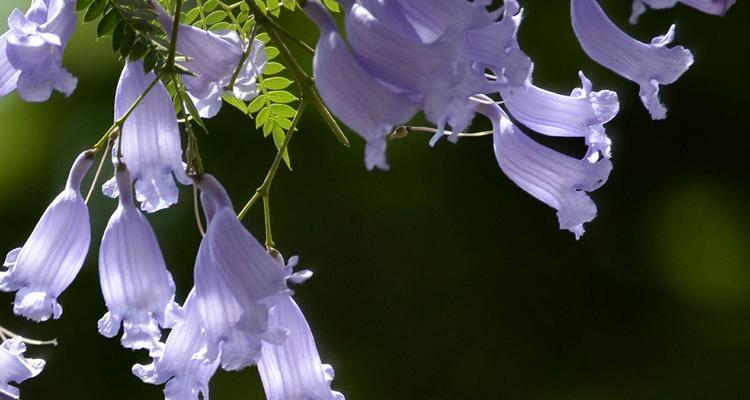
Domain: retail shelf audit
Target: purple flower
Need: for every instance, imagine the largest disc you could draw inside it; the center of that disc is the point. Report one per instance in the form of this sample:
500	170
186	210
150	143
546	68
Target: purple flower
213	57
716	7
234	277
136	285
54	253
582	114
293	370
366	105
150	140
556	179
14	367
648	65
186	375
31	51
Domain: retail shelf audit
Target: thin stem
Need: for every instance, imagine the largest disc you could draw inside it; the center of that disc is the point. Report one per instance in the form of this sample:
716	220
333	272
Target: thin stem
197	211
245	55
267	220
5	333
199	3
265	187
293	38
403	131
175	30
98	171
304	82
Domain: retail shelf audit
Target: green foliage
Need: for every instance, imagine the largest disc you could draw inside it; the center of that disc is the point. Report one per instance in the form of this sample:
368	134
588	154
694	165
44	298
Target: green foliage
133	27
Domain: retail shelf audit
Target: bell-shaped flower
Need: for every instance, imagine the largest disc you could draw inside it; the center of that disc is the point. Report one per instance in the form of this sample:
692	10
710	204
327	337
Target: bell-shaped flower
293	370
14	367
648	65
715	7
150	140
54	253
582	114
214	57
560	181
31	51
136	285
358	98
186	376
234	277
442	57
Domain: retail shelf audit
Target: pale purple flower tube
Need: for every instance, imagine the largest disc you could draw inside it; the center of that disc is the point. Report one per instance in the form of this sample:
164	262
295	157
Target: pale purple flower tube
186	376
558	180
715	7
648	65
582	114
31	51
150	140
54	253
14	367
293	370
213	57
137	287
364	104
234	277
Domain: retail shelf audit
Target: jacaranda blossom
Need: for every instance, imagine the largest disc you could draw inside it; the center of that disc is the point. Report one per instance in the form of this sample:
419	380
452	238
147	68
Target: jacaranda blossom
293	370
234	278
560	181
716	7
54	253
366	105
214	58
14	367
648	65
31	51
136	285
186	376
582	114
150	140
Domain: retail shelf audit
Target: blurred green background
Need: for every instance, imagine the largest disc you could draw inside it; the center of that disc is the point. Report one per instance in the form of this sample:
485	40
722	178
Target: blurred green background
441	279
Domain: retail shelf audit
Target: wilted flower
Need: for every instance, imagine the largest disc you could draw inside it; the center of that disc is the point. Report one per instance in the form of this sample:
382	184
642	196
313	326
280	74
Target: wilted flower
14	367
136	285
648	65
716	7
234	277
150	140
54	253
31	51
214	57
186	376
558	180
293	370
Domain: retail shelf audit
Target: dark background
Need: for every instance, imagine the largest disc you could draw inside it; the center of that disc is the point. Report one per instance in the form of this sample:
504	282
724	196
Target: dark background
441	279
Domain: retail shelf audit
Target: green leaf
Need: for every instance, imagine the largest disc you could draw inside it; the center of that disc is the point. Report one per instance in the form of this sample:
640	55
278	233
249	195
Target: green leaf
271	52
281	96
215	17
150	60
83	4
226	26
140	47
237	103
257	103
274	7
276	83
283	110
95	10
273	68
108	23
128	38
278	140
263	37
191	16
262	117
268	128
117	35
210	5
332	5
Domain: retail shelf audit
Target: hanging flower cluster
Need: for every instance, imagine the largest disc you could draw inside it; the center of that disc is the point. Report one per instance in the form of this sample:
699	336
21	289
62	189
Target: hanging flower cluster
450	59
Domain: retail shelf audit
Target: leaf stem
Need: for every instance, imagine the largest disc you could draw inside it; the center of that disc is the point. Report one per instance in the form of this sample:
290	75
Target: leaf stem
304	81
265	188
5	333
